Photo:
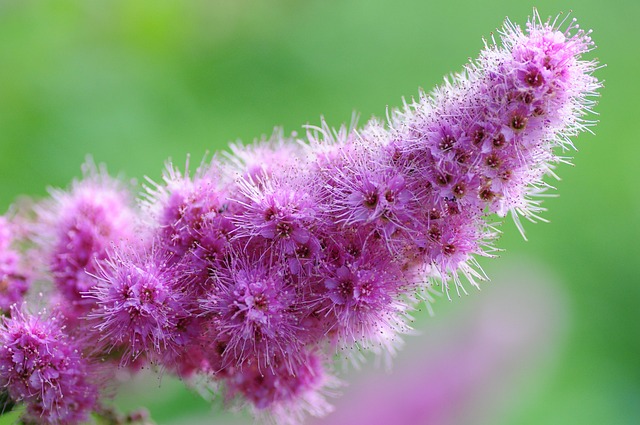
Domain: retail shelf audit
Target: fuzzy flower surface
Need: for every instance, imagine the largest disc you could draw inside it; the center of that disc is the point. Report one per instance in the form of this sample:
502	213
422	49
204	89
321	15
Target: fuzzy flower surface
283	395
137	308
79	227
44	368
255	315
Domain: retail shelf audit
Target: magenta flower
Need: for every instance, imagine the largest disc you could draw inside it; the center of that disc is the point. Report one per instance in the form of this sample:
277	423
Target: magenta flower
138	310
364	192
361	300
503	115
44	368
279	218
189	218
79	227
283	395
183	207
254	270
255	312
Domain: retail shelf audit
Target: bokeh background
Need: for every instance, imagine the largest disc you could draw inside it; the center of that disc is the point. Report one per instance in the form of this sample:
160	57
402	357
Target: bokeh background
133	83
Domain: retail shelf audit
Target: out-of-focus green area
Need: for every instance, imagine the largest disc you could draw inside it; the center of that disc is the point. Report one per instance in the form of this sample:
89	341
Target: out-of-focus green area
133	83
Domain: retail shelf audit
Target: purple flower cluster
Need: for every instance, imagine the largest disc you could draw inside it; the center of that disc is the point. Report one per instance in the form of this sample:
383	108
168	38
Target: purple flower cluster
76	228
257	269
43	368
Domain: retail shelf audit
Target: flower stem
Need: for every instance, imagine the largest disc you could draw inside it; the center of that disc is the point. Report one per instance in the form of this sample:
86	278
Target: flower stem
6	403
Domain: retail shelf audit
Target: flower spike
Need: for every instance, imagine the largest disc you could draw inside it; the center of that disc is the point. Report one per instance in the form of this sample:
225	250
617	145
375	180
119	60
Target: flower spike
255	271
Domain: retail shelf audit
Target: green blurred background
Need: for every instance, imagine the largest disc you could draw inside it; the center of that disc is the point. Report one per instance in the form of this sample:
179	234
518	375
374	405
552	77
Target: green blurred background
134	83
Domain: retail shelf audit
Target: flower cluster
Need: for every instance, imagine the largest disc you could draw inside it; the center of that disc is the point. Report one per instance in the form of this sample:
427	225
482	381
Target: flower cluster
256	269
43	367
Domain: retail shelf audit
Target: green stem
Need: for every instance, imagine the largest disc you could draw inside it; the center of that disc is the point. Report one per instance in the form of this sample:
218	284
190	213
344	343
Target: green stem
6	403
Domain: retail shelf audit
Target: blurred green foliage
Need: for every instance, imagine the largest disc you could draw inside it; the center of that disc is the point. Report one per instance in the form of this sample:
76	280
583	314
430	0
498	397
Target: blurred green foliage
133	83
